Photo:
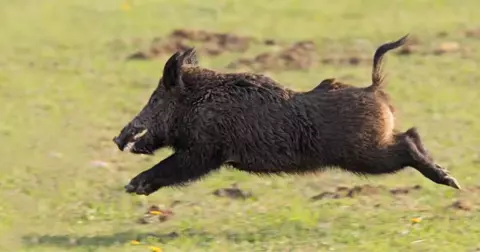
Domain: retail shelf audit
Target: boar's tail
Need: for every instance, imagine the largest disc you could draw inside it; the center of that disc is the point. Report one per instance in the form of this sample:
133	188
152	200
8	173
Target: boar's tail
377	76
172	70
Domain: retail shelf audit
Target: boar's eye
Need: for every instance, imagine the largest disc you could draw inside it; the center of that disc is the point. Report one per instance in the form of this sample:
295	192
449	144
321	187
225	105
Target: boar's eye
154	100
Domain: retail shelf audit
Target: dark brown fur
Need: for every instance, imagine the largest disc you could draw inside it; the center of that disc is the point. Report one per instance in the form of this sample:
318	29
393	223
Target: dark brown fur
331	85
252	123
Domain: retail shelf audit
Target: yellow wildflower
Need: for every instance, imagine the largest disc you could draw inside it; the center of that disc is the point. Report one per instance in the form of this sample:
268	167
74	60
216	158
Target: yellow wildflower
155	212
155	249
126	5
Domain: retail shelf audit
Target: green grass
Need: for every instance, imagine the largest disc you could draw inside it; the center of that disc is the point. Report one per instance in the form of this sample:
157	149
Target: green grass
66	91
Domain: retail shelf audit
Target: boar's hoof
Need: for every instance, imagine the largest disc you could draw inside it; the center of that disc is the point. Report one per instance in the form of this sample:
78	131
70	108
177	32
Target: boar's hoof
141	185
139	189
452	182
447	179
130	188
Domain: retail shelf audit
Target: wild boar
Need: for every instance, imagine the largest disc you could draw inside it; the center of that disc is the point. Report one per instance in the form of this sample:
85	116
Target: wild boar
252	123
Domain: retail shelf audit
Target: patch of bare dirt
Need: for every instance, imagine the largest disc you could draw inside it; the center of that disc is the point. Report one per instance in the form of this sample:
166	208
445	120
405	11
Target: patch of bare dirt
473	189
298	56
155	214
346	60
405	190
415	46
473	33
462	205
442	34
159	47
232	192
447	47
412	45
209	43
219	41
363	190
301	55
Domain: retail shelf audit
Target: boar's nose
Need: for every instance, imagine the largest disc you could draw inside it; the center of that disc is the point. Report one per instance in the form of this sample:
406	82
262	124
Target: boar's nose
128	134
122	139
119	142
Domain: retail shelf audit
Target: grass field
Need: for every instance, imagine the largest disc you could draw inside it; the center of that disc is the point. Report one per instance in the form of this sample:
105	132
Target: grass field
66	90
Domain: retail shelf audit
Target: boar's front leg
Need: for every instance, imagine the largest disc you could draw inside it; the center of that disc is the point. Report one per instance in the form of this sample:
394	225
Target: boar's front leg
176	170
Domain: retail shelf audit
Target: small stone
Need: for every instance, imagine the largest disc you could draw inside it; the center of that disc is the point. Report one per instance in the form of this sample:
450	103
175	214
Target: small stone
447	47
100	164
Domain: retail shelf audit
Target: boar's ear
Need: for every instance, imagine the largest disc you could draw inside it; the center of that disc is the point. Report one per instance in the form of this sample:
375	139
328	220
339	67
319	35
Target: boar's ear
190	57
172	75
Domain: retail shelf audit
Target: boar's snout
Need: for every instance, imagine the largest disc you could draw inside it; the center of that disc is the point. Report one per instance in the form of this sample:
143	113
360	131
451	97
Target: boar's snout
120	142
129	135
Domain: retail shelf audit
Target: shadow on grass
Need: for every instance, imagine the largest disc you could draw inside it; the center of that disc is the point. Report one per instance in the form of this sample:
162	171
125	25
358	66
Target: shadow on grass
199	237
94	241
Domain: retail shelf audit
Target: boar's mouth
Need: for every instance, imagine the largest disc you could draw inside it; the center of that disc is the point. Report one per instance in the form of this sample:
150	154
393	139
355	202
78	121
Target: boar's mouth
126	141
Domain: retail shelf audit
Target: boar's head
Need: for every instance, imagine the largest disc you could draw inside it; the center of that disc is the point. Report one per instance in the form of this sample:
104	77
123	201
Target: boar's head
149	129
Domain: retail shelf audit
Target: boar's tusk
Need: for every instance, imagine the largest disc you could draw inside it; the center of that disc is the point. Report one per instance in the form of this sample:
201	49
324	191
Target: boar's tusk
139	135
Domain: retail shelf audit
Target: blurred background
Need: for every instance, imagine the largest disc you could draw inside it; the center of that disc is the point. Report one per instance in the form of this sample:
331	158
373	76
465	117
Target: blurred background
73	72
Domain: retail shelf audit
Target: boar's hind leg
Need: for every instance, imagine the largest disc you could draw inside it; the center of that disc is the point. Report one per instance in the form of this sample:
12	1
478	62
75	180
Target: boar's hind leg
176	170
412	133
421	161
424	163
407	150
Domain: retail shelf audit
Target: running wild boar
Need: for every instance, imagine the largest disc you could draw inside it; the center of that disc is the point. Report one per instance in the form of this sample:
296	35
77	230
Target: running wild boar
252	123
